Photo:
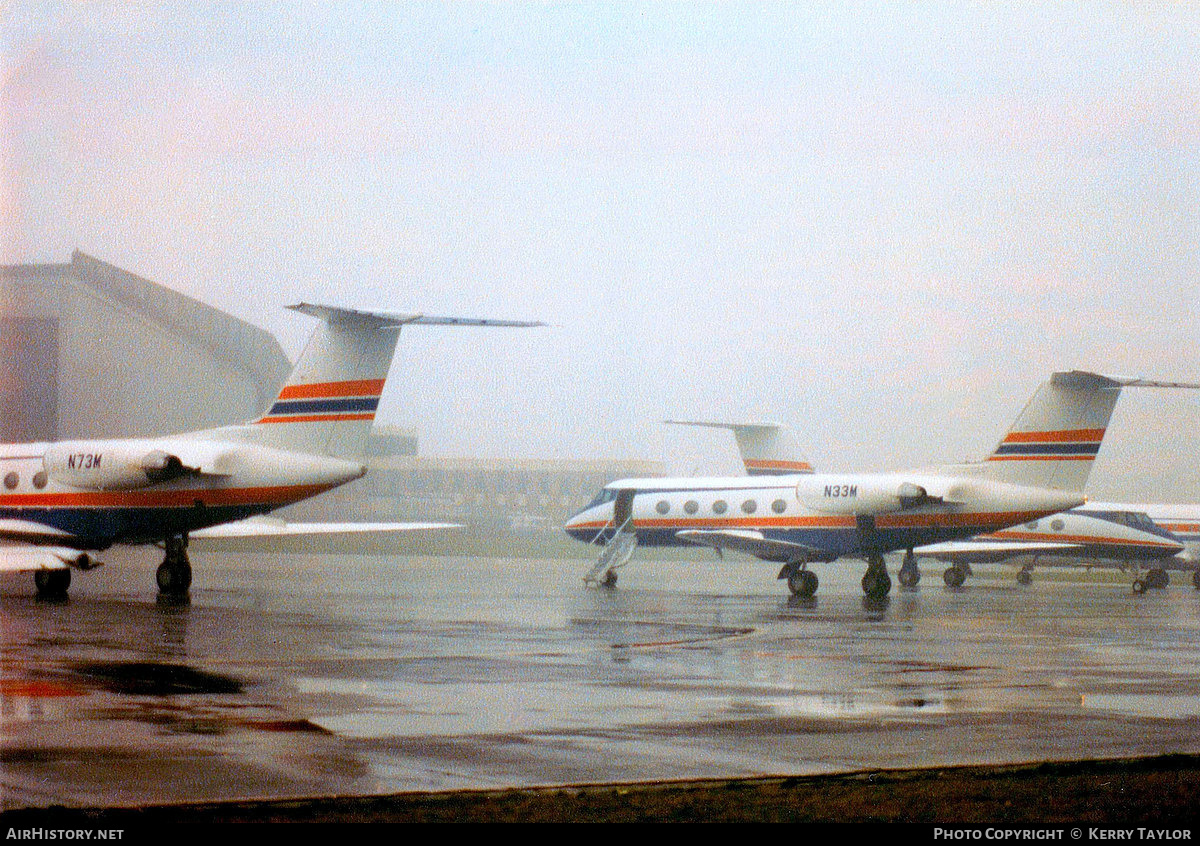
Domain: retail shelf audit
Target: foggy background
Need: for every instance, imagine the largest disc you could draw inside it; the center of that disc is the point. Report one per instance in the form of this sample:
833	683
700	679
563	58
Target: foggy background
882	225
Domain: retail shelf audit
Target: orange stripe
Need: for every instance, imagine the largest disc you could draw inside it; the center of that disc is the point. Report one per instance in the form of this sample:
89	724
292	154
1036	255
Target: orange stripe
779	465
1062	436
352	388
1082	539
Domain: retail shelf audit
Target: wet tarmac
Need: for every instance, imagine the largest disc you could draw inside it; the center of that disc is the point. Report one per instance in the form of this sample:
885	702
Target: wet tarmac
295	675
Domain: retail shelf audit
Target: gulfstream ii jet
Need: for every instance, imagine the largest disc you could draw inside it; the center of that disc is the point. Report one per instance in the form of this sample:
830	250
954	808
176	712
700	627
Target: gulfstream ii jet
1117	535
1038	469
62	502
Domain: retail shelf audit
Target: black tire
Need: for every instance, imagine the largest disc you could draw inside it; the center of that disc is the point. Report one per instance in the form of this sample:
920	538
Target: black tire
876	585
803	583
173	579
909	578
52	584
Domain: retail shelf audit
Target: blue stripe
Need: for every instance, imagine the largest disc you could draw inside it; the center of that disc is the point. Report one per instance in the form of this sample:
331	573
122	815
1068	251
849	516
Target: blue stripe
322	406
99	528
1048	449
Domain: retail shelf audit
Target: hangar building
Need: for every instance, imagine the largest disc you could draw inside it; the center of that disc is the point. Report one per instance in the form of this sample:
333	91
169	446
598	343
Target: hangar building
90	350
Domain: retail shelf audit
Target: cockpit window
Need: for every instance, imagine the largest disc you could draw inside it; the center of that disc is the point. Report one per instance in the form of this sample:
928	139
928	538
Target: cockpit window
1132	519
605	495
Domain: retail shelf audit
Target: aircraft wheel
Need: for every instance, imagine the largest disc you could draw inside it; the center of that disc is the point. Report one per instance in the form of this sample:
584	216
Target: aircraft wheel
954	577
174	578
803	583
876	583
1196	579
609	580
909	577
1139	586
1024	578
52	584
1157	578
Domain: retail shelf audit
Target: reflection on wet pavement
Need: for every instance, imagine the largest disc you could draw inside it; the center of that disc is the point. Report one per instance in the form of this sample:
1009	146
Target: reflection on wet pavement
305	675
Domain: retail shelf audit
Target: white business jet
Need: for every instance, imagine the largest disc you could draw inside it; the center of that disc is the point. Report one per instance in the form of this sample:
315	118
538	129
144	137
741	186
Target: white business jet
1115	535
1038	469
62	502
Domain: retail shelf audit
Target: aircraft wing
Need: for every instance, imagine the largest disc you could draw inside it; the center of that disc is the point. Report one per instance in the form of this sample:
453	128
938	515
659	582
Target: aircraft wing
24	557
988	551
753	543
30	532
256	527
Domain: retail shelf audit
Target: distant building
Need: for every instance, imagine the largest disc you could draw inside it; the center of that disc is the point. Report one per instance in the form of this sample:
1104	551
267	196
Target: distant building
90	350
509	494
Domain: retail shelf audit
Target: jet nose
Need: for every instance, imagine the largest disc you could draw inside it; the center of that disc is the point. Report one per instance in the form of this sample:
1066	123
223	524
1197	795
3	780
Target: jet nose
585	524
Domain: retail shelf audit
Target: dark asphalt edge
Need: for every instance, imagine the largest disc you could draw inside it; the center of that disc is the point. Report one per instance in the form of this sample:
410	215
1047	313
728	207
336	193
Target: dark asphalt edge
1160	789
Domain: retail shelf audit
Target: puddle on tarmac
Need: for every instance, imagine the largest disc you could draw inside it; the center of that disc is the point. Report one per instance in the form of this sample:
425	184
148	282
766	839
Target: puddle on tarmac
1144	704
153	679
836	705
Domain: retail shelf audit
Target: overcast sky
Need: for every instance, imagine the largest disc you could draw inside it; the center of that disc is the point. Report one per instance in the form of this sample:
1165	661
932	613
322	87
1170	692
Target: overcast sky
881	224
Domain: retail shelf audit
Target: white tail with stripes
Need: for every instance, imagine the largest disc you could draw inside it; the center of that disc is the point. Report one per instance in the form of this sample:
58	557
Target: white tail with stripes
767	449
1056	438
328	404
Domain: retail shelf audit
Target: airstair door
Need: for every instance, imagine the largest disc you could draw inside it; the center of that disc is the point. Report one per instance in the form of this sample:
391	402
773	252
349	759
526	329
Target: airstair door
622	508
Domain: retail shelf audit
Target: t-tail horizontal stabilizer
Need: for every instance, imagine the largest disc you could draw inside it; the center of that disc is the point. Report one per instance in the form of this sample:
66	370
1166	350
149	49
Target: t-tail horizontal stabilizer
1055	440
328	404
767	449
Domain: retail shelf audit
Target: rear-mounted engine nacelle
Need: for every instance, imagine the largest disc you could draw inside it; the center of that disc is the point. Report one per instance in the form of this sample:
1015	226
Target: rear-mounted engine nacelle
861	494
110	465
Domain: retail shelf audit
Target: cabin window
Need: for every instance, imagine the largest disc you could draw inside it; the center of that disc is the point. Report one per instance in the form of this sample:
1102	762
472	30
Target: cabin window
1031	526
1057	525
720	506
691	506
779	506
750	506
663	507
39	479
11	480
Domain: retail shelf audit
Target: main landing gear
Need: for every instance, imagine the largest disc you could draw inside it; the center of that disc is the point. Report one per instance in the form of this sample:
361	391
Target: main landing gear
1156	578
954	576
52	584
801	582
174	575
876	583
909	575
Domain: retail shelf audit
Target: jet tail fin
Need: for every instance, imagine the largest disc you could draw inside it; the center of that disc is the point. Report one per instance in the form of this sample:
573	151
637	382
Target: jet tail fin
767	449
1055	440
328	403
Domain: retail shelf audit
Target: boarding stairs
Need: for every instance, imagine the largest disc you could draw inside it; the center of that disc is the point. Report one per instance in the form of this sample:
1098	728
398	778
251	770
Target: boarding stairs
616	553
